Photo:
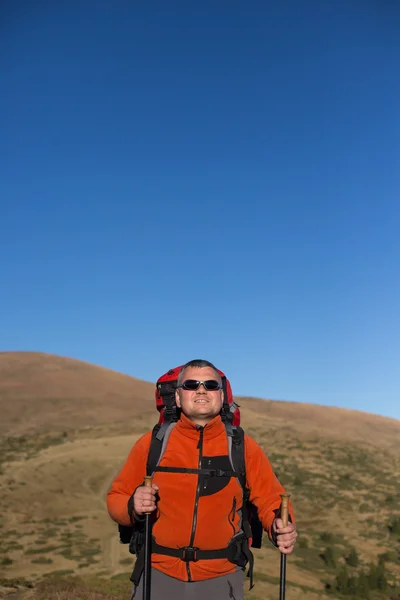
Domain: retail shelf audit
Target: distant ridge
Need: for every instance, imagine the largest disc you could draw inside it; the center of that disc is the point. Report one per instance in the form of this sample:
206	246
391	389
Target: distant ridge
43	392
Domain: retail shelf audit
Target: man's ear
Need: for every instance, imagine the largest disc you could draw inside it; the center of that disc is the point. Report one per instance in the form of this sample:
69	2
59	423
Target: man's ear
177	399
222	396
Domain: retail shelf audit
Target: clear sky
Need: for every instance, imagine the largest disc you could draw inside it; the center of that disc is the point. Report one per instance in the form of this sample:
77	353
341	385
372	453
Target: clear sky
214	179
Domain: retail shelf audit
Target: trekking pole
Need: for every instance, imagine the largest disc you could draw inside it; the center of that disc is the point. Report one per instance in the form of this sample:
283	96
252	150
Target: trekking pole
284	517
148	480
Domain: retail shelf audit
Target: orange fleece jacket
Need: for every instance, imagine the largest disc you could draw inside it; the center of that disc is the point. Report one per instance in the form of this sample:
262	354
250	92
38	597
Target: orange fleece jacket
217	518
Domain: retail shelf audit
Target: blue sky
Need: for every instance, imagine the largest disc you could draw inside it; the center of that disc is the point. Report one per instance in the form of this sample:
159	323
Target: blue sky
206	179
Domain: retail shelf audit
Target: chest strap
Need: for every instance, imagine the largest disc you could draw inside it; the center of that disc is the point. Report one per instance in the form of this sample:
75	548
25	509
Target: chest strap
206	472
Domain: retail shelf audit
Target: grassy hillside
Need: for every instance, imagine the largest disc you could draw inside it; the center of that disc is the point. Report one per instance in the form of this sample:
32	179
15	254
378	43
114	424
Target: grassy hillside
67	429
41	392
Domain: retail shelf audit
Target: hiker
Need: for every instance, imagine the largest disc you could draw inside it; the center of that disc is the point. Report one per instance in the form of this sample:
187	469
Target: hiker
198	542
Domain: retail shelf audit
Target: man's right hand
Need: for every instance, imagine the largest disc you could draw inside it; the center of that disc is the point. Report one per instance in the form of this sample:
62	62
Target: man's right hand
144	499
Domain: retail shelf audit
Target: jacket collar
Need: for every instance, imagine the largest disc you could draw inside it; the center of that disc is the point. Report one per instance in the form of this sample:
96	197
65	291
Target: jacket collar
192	430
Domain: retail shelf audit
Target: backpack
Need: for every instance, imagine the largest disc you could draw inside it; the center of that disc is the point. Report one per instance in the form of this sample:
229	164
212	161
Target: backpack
169	415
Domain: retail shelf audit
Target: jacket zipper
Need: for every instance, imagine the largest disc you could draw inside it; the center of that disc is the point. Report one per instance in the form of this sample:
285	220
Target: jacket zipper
233	513
196	502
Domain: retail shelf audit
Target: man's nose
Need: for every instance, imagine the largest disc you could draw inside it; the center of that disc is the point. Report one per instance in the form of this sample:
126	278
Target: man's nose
202	386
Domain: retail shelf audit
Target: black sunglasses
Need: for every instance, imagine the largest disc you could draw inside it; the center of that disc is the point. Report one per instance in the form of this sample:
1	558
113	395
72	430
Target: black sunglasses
192	384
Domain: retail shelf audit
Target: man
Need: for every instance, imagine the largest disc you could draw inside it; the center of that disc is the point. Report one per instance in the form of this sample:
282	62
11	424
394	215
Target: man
191	513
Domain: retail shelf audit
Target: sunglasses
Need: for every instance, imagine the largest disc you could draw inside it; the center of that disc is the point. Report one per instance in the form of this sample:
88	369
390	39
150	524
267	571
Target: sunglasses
192	384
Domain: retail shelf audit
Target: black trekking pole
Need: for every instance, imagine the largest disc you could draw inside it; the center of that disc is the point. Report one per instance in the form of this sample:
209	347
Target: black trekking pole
284	517
147	548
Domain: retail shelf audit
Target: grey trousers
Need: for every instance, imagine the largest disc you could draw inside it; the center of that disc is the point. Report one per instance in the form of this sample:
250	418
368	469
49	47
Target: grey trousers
163	587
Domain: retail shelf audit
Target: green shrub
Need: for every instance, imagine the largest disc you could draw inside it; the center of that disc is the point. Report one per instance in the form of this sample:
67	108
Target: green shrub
43	550
391	500
42	560
352	559
329	556
326	537
360	586
390	556
394	526
377	577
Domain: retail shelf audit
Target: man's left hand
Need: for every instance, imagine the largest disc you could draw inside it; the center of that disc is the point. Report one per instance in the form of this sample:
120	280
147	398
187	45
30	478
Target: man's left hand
285	536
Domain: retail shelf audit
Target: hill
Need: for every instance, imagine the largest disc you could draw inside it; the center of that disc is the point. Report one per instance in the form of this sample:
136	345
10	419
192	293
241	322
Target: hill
67	426
41	392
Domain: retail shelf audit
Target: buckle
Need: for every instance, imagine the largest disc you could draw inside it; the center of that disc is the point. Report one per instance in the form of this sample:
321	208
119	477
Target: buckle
219	473
189	554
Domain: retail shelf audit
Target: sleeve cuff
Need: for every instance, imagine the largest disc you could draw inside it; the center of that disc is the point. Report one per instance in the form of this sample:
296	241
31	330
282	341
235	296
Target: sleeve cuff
134	516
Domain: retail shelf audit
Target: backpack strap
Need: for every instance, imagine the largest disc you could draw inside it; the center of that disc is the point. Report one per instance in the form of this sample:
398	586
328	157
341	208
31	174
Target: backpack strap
236	449
237	453
236	552
159	441
166	391
226	414
171	413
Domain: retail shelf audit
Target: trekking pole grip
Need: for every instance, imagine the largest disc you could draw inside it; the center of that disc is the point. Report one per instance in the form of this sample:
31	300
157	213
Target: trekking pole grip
148	482
285	509
284	514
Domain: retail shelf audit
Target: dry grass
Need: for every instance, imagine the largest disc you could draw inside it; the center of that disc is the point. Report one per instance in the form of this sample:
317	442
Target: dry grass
40	392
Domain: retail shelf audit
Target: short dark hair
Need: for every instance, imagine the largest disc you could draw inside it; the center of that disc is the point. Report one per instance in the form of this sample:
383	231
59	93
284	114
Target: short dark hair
198	363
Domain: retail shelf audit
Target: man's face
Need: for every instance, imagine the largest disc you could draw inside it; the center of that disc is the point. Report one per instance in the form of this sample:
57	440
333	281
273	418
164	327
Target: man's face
201	405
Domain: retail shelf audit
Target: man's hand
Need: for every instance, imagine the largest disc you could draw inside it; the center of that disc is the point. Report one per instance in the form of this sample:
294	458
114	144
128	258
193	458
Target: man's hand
285	536
144	499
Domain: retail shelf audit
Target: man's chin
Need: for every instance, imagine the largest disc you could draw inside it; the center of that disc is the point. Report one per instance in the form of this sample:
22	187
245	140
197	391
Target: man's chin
205	411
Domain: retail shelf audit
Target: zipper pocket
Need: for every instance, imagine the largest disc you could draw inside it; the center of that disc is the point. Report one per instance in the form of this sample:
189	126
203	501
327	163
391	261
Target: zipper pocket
232	512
